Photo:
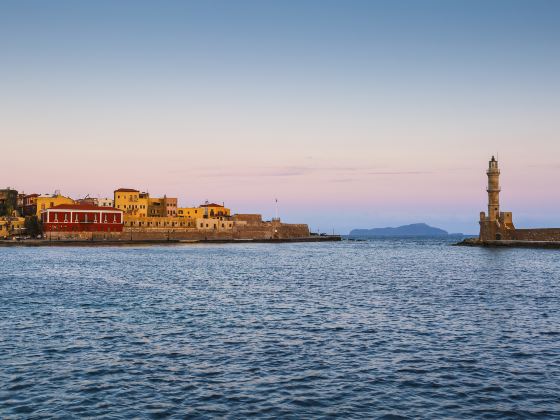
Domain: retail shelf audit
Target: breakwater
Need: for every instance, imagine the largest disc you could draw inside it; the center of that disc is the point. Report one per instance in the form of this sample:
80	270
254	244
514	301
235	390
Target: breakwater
510	244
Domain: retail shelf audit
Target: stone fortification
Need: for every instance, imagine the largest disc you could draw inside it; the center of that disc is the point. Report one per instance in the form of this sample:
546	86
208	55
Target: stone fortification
249	219
257	231
550	234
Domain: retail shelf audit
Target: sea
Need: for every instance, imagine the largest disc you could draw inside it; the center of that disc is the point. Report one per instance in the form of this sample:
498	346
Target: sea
354	329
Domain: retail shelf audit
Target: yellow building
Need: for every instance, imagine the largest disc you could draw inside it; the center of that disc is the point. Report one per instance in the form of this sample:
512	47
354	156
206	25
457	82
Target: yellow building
47	201
214	224
4	229
215	210
174	223
11	226
132	202
190	212
139	204
207	210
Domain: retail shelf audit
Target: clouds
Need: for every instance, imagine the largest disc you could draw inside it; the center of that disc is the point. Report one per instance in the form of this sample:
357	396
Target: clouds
336	173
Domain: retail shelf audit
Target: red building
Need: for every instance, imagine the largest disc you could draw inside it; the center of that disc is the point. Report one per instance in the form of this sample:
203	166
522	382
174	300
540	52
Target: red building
82	218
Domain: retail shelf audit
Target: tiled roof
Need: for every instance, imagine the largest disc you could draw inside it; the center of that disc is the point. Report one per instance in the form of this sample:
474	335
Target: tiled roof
211	205
126	190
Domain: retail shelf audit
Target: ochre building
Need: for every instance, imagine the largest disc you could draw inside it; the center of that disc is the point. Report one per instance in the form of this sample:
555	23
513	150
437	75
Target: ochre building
11	226
44	202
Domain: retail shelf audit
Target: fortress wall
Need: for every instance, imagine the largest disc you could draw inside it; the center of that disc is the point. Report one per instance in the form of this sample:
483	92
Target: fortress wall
253	233
293	231
253	219
546	234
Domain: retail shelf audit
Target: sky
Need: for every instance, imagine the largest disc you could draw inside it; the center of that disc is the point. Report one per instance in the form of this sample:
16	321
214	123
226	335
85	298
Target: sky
353	114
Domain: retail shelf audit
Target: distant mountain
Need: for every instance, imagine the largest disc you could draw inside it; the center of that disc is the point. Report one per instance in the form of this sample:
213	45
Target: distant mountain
414	230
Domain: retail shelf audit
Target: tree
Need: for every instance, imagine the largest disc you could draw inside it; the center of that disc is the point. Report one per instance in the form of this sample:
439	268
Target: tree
33	226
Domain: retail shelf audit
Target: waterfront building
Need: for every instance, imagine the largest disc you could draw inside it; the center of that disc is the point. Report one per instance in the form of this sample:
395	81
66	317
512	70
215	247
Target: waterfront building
27	204
105	202
29	207
162	207
8	201
214	224
205	210
190	212
92	201
19	203
215	210
11	226
140	204
82	218
176	223
131	201
44	202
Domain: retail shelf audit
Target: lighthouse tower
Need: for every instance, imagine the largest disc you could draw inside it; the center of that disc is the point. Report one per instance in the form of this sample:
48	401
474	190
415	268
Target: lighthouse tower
497	225
493	190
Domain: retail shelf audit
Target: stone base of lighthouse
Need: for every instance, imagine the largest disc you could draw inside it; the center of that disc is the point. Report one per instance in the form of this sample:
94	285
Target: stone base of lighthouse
501	228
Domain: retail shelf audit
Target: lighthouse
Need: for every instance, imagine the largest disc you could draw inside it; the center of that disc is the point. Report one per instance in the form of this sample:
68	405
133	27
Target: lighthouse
497	224
493	190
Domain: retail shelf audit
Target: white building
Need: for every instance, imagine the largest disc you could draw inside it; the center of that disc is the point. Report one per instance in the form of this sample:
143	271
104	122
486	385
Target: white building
105	202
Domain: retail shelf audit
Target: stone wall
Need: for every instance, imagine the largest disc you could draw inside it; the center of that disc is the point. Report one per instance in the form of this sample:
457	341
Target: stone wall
252	219
286	231
551	234
264	230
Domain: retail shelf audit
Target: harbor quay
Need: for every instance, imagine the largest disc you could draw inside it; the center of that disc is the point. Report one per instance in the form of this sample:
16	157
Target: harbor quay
132	216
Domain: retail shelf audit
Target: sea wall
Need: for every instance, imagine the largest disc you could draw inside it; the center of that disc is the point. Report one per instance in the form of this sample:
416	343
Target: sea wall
547	234
292	231
265	230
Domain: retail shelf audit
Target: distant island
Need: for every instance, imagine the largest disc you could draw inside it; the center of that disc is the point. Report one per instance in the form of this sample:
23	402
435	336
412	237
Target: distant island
414	230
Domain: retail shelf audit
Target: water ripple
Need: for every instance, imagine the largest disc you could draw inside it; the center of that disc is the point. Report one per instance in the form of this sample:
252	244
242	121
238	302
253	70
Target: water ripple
385	329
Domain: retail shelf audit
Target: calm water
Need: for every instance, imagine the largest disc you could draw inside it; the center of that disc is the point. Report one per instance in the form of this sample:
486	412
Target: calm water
362	329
